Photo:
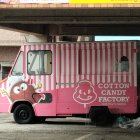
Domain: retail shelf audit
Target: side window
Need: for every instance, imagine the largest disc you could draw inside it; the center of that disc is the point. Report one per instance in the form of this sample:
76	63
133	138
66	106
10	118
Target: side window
122	65
39	62
18	67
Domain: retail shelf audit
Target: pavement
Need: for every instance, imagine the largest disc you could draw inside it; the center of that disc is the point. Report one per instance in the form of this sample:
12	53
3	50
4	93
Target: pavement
62	129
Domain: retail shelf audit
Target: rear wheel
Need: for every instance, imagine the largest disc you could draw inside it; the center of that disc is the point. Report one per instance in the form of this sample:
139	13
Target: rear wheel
101	116
23	114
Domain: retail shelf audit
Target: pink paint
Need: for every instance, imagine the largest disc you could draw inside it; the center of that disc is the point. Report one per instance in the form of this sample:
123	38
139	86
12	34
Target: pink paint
83	75
4	1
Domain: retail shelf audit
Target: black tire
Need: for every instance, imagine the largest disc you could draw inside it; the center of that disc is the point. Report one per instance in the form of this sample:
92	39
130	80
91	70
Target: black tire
23	114
101	117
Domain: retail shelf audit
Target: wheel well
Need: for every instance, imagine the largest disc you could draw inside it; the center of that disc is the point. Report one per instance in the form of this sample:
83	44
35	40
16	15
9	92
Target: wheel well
99	107
18	103
101	116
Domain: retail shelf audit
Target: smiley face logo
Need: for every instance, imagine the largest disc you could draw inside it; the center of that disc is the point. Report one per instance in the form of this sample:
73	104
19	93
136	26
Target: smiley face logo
84	93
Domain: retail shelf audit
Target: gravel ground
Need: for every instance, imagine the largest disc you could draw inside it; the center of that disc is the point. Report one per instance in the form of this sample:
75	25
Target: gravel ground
62	129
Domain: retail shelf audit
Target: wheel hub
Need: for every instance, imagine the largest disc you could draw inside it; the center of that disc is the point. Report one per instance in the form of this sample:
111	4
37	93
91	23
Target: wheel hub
23	114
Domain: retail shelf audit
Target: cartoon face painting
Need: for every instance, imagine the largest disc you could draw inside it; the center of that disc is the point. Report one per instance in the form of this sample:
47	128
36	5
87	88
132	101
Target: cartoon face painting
84	93
24	91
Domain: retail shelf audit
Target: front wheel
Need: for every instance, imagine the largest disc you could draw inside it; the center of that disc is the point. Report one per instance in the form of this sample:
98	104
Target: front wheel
23	114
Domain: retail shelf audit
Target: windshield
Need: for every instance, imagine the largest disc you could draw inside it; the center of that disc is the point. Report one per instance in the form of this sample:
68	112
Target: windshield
18	67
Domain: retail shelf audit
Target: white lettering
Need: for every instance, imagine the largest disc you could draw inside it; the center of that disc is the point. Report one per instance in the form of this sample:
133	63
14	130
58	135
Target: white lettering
113	92
114	86
103	92
100	85
114	99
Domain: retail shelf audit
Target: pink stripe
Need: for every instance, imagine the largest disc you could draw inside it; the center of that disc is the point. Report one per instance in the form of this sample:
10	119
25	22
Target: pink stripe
39	75
62	67
116	59
100	51
42	76
96	65
65	65
122	49
132	60
85	60
106	62
24	62
127	54
44	47
54	64
49	76
26	67
80	60
59	64
90	48
34	75
29	48
111	62
75	63
69	46
135	65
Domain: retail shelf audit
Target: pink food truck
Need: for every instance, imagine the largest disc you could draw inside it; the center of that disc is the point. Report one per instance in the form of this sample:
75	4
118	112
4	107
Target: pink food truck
94	79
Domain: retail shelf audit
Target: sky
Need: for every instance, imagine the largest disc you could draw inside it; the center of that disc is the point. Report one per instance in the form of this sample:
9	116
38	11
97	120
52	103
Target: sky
109	38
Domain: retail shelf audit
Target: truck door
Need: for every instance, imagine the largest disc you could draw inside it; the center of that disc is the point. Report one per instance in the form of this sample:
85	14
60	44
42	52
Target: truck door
39	70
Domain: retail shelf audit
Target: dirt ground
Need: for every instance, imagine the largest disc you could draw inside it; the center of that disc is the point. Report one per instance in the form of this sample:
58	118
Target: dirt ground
62	129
